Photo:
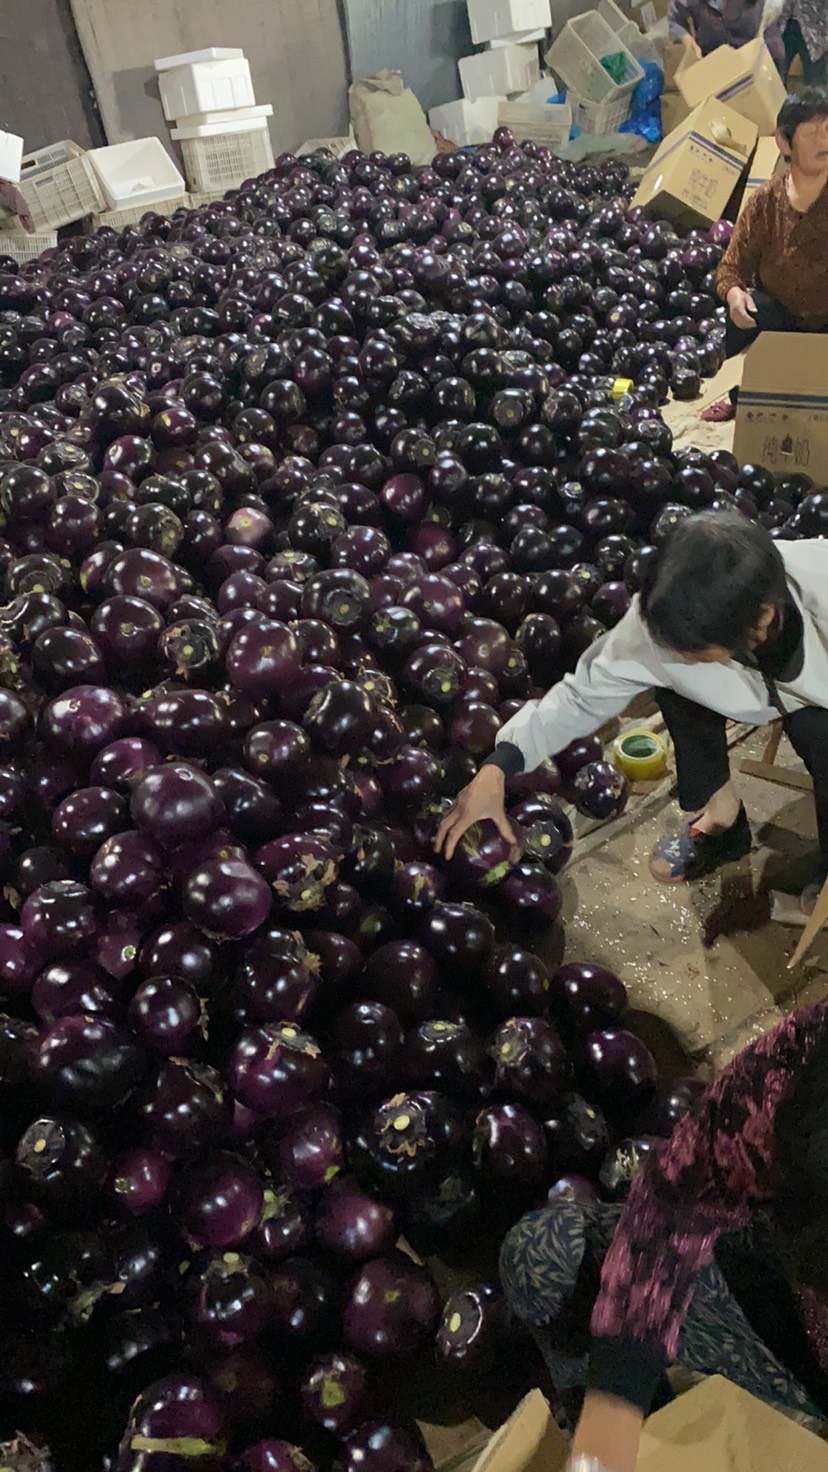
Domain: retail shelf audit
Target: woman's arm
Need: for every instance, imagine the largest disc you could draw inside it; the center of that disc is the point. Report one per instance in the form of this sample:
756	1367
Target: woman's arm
679	18
739	265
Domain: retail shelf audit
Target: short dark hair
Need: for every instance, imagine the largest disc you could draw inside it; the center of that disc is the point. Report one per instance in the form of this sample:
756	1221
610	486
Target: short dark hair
716	573
802	107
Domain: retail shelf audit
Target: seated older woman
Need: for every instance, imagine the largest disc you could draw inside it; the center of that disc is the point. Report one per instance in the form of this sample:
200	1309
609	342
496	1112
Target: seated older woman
774	275
718	1261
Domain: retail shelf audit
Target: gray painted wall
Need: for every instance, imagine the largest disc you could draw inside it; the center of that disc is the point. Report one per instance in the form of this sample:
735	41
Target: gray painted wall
420	38
45	88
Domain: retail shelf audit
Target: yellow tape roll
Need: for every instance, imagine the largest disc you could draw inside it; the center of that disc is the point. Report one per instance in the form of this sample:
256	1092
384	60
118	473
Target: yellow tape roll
641	755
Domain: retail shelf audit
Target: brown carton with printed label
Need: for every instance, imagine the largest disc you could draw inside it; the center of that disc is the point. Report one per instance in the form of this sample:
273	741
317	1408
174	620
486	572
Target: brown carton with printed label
697	167
782	416
745	77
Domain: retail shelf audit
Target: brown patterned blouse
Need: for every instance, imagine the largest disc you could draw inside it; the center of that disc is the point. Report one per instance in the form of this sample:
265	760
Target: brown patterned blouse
782	252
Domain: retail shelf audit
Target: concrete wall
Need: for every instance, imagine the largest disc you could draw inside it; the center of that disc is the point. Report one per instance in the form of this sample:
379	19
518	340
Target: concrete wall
420	38
295	48
45	88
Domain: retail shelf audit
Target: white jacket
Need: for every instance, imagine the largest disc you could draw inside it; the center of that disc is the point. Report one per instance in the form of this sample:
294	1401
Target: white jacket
627	660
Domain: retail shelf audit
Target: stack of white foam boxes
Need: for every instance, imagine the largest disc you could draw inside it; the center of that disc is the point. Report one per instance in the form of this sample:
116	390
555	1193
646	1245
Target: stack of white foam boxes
510	66
208	96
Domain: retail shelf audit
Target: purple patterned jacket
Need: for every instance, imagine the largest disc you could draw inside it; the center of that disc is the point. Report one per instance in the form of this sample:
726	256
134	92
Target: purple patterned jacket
708	1179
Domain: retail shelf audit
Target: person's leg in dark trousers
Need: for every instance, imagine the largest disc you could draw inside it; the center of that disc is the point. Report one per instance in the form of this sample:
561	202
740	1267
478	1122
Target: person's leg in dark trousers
699	739
549	1267
770	316
813	72
807	731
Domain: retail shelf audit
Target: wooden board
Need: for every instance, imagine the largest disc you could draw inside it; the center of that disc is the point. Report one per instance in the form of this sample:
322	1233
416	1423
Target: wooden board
296	54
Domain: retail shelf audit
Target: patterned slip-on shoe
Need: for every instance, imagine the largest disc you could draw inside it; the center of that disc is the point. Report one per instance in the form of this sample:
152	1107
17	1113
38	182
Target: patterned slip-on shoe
688	854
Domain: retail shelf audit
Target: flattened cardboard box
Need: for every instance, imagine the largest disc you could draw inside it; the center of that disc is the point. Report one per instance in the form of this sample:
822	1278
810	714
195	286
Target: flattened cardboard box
715	1427
766	163
697	167
782	414
745	77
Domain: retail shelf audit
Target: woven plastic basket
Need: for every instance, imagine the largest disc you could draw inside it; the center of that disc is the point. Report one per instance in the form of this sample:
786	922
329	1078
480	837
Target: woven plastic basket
119	219
22	246
214	165
548	123
576	56
59	185
600	118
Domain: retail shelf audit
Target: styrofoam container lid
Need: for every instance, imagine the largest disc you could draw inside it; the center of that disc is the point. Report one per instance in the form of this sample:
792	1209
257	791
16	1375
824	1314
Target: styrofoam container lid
189	58
215	130
11	157
236	115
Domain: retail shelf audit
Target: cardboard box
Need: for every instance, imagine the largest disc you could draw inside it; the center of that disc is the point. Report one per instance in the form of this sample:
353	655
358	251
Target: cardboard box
697	167
782	414
715	1427
744	77
499	72
491	18
766	163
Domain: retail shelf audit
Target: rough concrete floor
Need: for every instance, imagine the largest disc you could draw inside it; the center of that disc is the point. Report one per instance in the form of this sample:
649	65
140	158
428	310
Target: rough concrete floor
705	960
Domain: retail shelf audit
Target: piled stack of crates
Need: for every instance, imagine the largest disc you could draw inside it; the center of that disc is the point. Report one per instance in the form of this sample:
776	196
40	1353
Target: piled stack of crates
509	67
224	136
600	102
58	185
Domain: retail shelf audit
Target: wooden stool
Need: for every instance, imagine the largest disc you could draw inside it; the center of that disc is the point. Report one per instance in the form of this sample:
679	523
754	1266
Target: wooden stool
768	771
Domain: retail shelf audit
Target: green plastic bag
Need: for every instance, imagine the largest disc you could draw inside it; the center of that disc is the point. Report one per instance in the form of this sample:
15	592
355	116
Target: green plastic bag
616	66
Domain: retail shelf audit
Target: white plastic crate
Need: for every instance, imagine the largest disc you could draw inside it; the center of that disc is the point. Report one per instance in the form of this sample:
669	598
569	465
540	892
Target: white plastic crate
230	117
549	124
225	160
11	157
231	125
466	123
576	55
22	246
206	86
491	18
59	185
499	72
119	219
189	58
599	118
208	197
139	173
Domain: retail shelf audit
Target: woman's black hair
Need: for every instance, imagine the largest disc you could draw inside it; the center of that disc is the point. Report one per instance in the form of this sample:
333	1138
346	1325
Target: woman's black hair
800	1188
802	107
716	574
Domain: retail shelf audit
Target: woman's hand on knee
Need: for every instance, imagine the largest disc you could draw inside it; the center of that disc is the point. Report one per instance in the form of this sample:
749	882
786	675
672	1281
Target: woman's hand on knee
609	1431
742	308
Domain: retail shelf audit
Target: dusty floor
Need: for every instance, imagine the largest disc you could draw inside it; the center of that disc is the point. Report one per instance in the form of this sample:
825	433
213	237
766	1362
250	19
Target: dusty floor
705	960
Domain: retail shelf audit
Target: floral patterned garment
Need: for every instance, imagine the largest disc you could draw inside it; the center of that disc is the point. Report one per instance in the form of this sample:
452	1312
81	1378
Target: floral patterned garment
813	19
710	1178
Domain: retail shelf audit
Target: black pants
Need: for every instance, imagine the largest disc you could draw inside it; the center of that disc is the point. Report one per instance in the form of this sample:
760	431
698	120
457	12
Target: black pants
813	72
703	762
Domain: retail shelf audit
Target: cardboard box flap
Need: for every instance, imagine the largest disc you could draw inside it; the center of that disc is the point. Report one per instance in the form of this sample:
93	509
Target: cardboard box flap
530	1441
717	1427
787	368
745	77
